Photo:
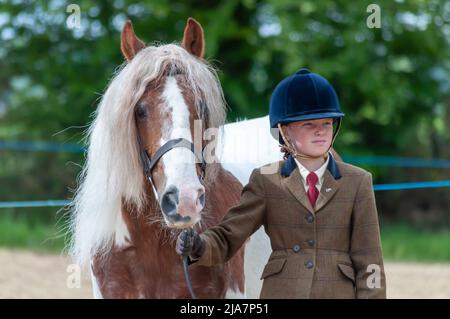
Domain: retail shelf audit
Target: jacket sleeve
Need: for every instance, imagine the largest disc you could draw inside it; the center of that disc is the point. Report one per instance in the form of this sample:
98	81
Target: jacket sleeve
240	222
365	250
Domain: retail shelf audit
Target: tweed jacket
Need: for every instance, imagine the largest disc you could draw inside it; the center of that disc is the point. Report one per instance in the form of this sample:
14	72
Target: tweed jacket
330	251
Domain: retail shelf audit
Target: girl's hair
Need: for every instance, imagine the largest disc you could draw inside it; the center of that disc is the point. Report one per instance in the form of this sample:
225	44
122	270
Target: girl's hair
284	151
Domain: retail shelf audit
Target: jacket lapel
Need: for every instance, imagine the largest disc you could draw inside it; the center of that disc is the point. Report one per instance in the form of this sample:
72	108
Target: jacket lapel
329	188
294	184
292	180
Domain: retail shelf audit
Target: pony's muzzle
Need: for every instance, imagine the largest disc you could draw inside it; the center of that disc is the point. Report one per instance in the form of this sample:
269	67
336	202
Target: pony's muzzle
182	207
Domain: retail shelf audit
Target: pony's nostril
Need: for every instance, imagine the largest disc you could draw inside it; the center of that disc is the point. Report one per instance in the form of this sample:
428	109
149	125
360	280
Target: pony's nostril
174	217
169	200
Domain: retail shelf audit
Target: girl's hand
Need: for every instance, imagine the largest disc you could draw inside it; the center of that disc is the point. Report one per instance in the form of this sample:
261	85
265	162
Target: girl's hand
189	243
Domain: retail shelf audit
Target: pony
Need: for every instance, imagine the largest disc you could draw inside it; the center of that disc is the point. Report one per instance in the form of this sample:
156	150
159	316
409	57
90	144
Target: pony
145	180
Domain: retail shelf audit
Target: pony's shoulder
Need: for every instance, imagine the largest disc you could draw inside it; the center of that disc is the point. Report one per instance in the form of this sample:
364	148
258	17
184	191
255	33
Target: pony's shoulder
225	176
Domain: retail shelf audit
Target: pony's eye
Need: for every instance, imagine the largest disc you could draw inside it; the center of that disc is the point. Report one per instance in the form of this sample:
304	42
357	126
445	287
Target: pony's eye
141	111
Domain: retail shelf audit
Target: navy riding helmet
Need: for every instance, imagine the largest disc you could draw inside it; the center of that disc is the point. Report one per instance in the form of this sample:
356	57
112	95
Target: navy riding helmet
303	96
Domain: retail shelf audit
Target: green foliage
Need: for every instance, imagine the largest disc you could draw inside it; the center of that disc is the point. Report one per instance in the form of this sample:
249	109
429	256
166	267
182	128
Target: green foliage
387	78
38	231
393	82
402	242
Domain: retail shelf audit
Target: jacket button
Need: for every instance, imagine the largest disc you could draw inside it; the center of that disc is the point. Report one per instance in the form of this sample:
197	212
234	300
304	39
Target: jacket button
309	264
296	248
310	218
311	242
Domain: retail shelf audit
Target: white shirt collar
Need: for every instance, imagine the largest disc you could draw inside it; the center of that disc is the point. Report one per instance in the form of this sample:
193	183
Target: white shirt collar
320	172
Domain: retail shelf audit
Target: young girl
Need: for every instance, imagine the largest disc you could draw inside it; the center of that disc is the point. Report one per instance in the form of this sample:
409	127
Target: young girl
320	214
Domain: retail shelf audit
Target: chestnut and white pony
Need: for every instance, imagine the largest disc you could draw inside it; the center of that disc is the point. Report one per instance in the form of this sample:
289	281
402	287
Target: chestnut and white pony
125	229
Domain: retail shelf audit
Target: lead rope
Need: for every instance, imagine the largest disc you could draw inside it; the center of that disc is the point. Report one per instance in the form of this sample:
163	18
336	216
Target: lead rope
185	268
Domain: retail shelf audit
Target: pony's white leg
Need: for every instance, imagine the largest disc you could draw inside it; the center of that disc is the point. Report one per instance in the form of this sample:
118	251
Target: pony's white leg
257	252
96	293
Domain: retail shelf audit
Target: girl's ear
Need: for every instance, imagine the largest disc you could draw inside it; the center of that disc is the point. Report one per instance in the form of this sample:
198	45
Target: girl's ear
193	38
130	44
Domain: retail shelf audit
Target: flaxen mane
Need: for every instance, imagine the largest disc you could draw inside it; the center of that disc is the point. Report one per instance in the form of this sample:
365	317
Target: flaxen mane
113	171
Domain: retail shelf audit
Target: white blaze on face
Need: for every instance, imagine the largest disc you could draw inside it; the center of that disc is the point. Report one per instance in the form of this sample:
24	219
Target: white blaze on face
179	163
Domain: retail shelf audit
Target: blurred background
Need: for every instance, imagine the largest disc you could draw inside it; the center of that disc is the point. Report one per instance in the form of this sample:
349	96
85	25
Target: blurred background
393	83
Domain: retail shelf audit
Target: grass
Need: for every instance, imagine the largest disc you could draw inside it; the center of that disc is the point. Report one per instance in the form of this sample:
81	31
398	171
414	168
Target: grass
29	232
401	242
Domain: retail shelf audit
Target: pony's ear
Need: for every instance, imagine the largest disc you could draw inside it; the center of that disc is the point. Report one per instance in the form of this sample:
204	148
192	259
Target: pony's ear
130	44
193	39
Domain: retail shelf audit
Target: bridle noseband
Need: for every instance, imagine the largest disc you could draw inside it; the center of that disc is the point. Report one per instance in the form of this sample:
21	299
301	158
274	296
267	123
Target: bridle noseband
149	163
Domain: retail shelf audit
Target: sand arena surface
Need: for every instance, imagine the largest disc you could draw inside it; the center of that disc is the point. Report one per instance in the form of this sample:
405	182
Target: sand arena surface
27	274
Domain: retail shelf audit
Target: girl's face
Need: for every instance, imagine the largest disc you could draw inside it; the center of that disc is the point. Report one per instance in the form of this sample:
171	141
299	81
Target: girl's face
311	137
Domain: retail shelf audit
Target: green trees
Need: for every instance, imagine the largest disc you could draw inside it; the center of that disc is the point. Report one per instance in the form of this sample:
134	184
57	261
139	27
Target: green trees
393	82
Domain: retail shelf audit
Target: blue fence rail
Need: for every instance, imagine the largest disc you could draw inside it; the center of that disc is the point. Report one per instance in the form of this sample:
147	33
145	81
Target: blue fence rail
377	187
34	146
396	161
37	203
41	147
353	159
400	186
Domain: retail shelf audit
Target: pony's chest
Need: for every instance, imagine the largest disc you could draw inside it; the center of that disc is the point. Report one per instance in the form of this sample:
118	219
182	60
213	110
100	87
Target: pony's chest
137	274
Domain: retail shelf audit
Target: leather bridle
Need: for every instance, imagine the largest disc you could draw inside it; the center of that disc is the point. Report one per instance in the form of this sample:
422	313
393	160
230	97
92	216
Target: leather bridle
149	162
